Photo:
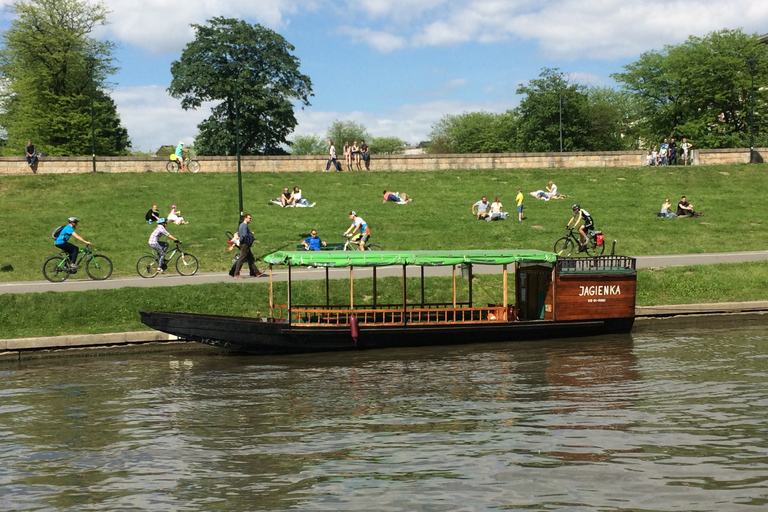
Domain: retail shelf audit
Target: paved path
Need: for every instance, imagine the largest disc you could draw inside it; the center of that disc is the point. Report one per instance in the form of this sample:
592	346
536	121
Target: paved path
339	273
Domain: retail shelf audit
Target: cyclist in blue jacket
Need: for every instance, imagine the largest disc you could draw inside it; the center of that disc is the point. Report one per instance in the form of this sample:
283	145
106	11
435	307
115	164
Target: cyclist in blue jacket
62	241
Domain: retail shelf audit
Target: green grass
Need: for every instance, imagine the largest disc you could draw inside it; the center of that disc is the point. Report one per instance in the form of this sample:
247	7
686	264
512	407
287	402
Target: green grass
100	311
112	206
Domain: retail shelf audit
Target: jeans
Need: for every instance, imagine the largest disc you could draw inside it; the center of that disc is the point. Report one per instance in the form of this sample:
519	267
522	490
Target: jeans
70	249
161	248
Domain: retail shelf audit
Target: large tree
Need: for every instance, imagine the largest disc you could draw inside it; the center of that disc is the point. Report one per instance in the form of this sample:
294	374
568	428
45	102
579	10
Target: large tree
548	99
475	132
231	58
346	131
49	62
701	89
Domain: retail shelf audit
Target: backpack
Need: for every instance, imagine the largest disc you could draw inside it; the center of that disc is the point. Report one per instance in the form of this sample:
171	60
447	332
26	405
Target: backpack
56	232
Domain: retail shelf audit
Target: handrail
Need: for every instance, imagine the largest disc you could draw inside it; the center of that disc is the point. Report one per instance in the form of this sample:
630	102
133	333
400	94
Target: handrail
333	317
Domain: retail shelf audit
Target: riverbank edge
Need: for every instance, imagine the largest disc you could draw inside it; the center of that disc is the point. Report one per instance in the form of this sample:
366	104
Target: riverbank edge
155	341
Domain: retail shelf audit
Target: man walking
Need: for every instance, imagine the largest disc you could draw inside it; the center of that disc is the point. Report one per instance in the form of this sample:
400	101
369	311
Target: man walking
246	240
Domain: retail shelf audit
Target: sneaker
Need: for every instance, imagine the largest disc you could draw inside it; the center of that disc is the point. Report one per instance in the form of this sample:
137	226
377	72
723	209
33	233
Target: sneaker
313	204
238	277
161	271
72	266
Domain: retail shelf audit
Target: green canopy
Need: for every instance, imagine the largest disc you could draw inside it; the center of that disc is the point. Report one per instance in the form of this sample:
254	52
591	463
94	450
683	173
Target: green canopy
419	258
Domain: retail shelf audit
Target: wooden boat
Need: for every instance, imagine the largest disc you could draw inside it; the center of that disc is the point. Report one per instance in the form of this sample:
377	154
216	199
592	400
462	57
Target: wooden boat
554	297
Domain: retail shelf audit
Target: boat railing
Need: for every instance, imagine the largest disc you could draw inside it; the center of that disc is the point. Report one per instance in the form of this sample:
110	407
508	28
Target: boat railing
323	316
431	305
596	264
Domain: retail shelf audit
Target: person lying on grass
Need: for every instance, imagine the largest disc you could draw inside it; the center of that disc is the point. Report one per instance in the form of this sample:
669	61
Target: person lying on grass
396	197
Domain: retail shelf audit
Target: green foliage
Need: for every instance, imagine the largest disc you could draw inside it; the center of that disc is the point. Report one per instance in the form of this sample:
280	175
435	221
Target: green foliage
611	120
547	98
45	62
701	89
474	132
346	131
308	145
386	146
251	70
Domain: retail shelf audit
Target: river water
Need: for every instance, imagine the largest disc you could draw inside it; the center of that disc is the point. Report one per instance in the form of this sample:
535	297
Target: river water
663	420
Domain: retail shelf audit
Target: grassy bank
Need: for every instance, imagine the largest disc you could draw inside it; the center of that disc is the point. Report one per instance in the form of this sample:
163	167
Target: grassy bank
623	202
99	311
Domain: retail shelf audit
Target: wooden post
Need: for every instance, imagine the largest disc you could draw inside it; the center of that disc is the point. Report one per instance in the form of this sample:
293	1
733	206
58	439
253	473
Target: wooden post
470	283
374	287
504	279
271	294
327	289
289	293
403	319
422	287
453	276
351	288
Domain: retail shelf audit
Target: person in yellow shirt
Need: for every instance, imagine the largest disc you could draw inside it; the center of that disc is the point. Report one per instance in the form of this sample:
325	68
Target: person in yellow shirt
519	200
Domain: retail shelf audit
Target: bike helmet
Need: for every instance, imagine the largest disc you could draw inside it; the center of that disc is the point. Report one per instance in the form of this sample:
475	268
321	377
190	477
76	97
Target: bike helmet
576	207
353	213
161	220
73	219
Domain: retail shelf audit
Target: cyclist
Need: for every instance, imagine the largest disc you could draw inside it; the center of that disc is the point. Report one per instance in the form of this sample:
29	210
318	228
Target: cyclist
578	215
358	224
159	246
180	150
62	242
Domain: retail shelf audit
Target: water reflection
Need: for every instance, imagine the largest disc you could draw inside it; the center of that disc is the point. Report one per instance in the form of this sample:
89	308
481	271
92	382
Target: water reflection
667	420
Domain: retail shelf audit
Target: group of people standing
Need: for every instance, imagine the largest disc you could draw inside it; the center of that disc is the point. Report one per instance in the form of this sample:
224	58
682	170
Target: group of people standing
668	154
354	156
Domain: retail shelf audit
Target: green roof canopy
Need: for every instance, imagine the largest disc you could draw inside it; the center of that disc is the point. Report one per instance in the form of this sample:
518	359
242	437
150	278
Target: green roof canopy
419	258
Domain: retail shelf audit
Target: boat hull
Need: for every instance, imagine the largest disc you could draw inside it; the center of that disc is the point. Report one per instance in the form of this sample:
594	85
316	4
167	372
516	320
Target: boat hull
256	336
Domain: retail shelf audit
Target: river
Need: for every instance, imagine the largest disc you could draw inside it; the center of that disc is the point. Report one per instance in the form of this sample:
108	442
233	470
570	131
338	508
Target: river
660	420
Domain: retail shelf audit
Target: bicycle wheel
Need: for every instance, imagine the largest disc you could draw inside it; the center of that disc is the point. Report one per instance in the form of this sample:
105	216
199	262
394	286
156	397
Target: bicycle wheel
99	267
186	264
55	269
373	247
147	266
172	166
564	247
593	249
193	166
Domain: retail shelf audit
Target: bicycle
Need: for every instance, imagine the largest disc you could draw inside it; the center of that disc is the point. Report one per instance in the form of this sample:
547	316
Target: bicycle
58	268
594	247
192	166
352	243
149	265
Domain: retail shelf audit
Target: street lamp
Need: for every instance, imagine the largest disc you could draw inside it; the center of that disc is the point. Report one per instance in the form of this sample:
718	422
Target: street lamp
560	96
752	63
238	66
91	62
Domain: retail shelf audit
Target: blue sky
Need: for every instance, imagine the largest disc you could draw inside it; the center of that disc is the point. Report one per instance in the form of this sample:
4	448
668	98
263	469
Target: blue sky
398	66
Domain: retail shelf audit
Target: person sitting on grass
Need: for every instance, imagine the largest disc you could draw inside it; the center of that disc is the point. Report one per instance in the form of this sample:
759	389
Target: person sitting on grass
313	242
482	208
496	210
286	198
298	199
665	206
396	197
152	215
684	208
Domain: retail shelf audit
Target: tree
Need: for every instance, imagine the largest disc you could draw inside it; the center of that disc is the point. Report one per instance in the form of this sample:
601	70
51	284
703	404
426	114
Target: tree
230	58
700	89
346	131
611	120
49	62
546	99
475	132
309	145
386	146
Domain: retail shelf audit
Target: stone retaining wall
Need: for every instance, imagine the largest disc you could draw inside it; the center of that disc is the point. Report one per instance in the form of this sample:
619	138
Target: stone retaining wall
73	165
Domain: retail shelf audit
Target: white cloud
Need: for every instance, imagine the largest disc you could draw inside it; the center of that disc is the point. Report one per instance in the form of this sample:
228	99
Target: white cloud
381	41
153	118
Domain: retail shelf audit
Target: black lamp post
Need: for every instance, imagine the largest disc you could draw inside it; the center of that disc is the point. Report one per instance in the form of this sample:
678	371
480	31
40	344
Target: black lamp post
560	96
238	66
91	62
752	63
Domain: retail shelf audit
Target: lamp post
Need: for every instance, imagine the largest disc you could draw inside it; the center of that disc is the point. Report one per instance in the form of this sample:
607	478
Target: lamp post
560	97
91	62
752	63
237	65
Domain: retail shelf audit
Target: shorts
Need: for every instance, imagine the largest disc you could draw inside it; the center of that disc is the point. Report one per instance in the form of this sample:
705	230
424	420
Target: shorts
589	227
520	208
